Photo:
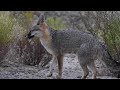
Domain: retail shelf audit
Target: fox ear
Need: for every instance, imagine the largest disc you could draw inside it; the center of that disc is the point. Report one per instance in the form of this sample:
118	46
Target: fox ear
35	20
41	20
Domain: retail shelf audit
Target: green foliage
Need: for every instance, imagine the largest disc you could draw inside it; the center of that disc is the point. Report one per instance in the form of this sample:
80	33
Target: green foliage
6	27
56	23
24	19
112	37
28	16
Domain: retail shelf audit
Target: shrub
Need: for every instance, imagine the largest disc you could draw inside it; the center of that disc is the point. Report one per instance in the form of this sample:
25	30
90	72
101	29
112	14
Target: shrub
112	37
56	23
6	32
6	27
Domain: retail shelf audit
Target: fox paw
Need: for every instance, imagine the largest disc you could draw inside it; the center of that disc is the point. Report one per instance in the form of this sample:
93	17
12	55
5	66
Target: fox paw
79	76
57	77
49	75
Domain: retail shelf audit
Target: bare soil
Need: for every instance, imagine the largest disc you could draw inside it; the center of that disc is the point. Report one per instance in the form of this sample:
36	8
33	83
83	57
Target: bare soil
71	70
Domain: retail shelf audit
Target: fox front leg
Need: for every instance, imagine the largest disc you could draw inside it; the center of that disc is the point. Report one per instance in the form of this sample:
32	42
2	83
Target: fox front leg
54	61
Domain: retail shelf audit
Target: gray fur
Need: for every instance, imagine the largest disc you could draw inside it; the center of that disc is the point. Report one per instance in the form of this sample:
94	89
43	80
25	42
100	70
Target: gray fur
85	45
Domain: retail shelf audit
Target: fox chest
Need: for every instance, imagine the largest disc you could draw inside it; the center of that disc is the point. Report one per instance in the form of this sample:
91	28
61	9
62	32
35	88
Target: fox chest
47	45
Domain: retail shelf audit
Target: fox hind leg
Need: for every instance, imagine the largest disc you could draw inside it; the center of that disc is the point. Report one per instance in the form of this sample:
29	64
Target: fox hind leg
60	66
91	65
83	63
85	71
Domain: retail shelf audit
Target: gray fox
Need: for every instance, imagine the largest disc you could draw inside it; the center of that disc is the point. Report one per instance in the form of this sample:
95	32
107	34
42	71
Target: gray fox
59	42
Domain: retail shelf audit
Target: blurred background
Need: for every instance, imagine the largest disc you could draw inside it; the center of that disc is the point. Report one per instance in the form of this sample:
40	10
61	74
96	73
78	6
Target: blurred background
14	25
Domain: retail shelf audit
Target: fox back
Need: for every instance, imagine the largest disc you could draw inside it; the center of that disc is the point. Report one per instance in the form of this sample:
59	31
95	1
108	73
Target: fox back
70	41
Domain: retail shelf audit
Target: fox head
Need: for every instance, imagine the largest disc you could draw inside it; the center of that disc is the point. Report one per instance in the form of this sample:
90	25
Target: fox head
39	29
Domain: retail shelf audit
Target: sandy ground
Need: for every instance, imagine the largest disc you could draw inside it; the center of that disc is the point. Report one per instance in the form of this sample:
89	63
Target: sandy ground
71	70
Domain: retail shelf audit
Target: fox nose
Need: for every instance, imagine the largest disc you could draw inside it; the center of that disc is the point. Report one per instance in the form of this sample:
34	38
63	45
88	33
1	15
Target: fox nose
25	36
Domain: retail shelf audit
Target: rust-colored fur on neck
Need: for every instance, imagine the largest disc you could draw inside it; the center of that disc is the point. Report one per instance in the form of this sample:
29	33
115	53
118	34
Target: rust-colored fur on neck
46	38
44	29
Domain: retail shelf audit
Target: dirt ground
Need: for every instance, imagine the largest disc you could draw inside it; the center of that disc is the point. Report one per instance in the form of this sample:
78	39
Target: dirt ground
71	70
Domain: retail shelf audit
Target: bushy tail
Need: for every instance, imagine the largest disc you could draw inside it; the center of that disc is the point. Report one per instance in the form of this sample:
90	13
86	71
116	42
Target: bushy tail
107	55
107	58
